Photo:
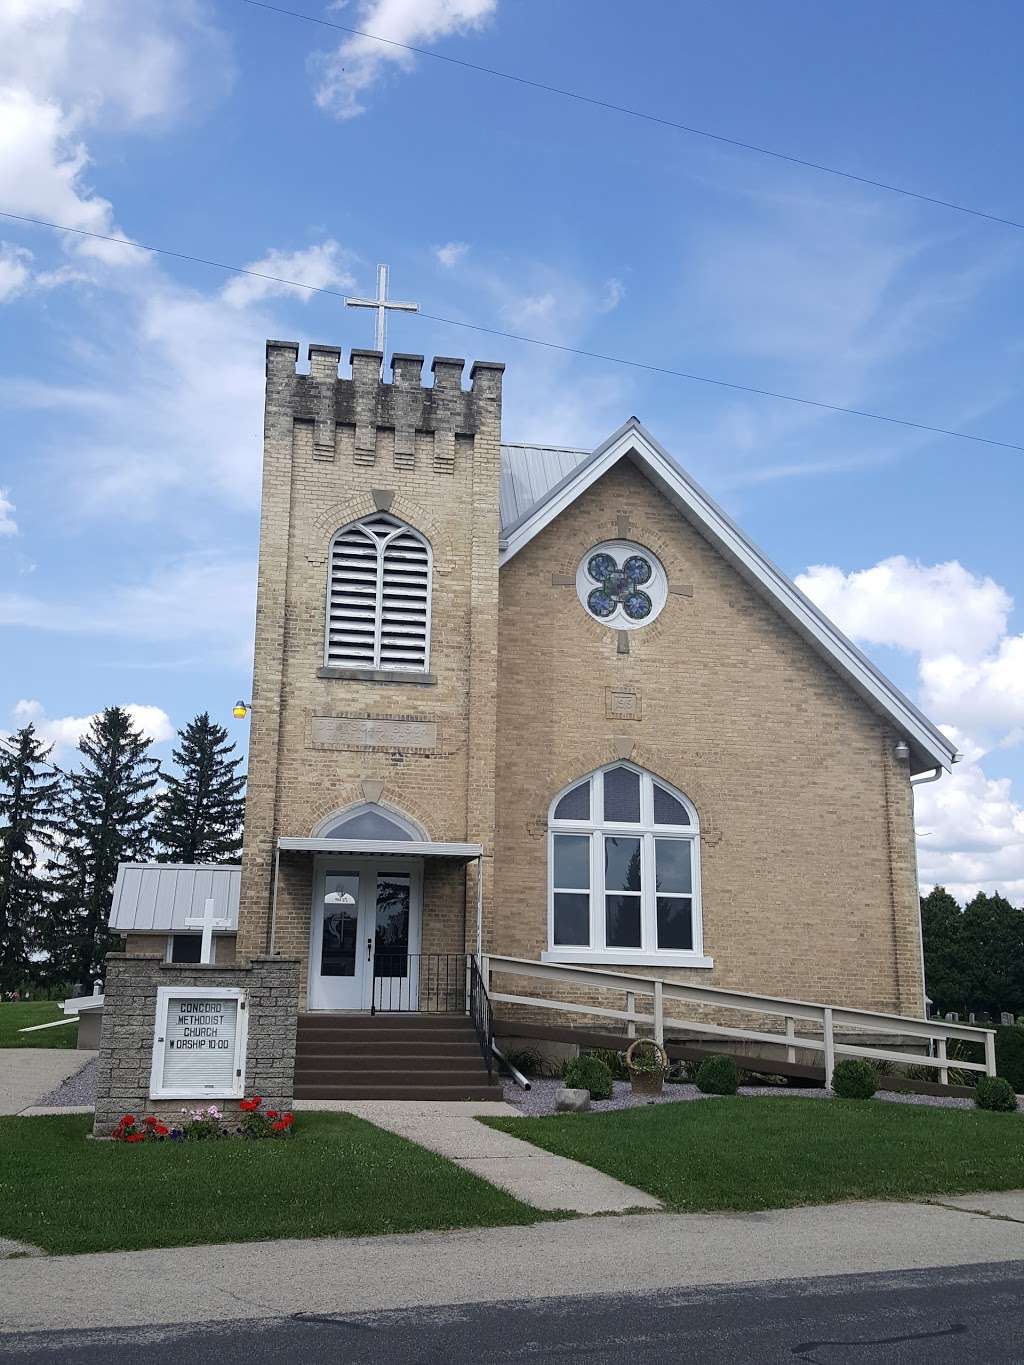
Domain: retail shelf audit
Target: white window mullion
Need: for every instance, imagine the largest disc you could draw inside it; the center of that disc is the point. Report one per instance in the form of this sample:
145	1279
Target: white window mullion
648	895
597	891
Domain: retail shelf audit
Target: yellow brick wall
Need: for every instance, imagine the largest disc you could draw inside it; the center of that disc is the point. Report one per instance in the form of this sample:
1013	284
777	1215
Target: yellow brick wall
807	853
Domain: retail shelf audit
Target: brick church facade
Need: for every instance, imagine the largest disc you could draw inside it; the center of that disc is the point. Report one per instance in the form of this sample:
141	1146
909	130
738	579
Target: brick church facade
554	705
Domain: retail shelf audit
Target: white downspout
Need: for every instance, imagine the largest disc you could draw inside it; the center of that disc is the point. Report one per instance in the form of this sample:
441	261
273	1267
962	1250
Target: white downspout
479	906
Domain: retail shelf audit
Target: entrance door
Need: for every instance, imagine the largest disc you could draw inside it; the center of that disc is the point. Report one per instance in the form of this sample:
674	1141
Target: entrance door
365	934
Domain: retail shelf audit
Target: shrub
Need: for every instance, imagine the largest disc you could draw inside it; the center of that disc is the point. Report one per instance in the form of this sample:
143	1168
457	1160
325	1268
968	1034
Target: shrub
589	1073
614	1061
1010	1055
717	1076
995	1092
854	1078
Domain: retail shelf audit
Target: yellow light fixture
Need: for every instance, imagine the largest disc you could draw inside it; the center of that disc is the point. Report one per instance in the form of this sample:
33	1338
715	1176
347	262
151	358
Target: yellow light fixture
240	710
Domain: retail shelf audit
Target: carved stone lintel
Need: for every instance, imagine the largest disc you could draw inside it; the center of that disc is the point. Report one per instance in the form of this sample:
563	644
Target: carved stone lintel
622	746
382	498
372	788
622	643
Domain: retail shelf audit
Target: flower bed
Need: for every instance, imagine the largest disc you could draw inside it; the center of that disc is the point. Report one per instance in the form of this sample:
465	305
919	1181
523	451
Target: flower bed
211	1123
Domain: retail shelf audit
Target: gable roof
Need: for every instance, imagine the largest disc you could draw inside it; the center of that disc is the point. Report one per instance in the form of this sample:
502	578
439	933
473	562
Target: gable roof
538	483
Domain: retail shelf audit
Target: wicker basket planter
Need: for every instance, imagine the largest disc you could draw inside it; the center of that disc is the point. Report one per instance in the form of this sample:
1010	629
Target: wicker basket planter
650	1078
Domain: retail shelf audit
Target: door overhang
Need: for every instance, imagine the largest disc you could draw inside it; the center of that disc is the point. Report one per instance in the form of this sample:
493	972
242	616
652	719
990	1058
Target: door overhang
383	848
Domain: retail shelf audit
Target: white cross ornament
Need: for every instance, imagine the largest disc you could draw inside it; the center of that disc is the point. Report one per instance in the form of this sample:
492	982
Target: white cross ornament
382	303
208	921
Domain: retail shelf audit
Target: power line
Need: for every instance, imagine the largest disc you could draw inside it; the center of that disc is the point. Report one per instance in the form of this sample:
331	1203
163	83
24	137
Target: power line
538	341
643	115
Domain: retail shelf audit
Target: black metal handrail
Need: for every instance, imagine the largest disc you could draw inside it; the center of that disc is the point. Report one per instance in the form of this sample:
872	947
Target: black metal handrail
419	983
481	1013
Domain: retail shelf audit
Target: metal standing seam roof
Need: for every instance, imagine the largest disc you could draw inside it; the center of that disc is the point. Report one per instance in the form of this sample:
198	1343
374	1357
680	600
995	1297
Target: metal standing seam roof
529	473
157	898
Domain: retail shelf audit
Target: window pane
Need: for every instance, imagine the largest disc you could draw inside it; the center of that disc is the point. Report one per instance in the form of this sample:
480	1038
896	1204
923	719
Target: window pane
391	941
667	809
675	922
622	796
186	947
621	864
572	919
622	921
575	804
341	917
672	865
572	861
367	824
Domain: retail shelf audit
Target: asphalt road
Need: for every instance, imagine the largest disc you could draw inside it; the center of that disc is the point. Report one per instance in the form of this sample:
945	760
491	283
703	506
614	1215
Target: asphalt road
954	1314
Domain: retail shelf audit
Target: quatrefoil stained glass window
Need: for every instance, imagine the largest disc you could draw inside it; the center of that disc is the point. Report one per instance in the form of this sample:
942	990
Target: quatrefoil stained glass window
621	584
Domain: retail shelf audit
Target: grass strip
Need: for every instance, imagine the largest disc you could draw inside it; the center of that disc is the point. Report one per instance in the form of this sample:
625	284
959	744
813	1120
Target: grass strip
764	1153
25	1013
338	1176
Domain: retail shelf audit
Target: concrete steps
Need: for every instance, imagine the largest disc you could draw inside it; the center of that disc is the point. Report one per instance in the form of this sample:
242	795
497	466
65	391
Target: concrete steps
390	1057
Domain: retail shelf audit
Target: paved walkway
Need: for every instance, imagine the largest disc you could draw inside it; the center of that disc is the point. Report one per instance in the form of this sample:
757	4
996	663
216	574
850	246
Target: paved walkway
647	1252
29	1073
536	1177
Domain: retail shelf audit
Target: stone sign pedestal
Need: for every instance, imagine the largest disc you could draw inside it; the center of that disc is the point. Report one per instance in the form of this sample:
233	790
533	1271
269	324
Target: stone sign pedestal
174	1028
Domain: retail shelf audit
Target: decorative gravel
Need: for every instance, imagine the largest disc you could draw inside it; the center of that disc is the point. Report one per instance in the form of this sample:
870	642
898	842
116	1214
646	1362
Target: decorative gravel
76	1090
540	1099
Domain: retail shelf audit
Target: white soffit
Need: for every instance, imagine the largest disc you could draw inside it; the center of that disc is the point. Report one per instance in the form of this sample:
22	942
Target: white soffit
929	746
157	898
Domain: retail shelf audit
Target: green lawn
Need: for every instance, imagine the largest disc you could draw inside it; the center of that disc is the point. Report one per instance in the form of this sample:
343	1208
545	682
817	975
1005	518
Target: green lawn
764	1153
29	1012
338	1176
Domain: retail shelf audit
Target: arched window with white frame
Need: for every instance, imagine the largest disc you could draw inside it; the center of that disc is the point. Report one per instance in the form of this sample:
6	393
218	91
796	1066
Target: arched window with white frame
378	596
624	872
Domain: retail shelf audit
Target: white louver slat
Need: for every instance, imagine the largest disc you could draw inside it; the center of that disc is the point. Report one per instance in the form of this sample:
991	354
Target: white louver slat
378	600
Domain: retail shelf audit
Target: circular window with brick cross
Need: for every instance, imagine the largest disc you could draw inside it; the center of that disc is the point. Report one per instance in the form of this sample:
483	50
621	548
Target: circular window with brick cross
621	584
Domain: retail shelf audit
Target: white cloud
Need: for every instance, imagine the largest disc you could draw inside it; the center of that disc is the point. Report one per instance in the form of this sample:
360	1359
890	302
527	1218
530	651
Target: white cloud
970	832
451	253
614	292
929	609
321	265
14	270
971	672
346	75
64	732
8	526
202	599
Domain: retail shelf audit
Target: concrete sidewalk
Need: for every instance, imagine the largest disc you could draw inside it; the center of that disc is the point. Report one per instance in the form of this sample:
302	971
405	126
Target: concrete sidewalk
28	1073
644	1252
536	1177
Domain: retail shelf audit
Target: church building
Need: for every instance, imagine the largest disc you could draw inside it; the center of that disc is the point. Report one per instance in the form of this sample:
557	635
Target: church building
543	703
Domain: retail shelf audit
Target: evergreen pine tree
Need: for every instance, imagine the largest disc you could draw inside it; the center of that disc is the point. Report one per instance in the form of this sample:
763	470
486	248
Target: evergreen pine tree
944	969
107	810
28	808
199	814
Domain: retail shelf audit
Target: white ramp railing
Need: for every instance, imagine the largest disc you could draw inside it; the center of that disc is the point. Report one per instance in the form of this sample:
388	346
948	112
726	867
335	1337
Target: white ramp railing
822	1020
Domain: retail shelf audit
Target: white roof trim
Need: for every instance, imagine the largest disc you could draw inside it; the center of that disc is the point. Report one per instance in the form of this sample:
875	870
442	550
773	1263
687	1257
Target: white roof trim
381	848
929	746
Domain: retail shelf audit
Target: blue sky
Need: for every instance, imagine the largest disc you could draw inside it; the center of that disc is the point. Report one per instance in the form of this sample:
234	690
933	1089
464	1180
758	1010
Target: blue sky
131	385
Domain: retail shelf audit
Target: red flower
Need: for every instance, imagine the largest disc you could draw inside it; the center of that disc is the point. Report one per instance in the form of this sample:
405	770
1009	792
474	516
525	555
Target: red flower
279	1126
273	1114
136	1137
287	1120
161	1129
249	1105
128	1120
149	1121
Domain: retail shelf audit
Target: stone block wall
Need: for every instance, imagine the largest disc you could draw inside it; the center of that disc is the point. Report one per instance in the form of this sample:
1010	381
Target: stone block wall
129	1022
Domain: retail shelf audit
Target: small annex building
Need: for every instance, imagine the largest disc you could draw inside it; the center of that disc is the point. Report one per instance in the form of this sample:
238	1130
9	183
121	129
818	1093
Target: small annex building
544	702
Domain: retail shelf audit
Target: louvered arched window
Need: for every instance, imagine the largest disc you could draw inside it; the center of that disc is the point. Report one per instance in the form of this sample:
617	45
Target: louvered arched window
378	596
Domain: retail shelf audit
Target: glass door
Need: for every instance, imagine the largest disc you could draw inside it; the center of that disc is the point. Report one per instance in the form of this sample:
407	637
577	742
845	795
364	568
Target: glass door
394	974
365	935
338	952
